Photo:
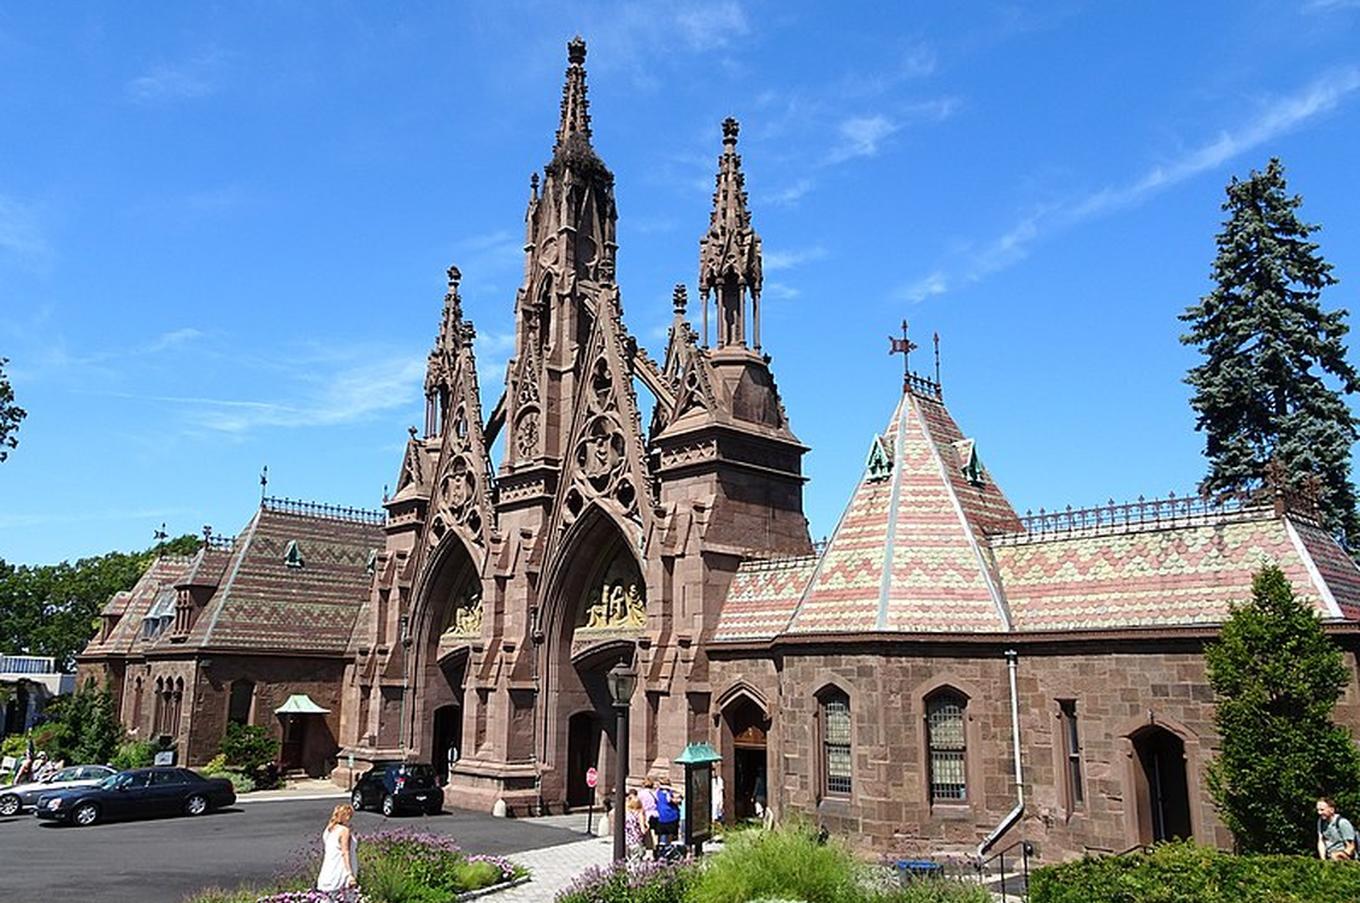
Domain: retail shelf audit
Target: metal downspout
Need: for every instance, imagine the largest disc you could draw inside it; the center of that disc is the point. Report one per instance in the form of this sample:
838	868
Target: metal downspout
1012	659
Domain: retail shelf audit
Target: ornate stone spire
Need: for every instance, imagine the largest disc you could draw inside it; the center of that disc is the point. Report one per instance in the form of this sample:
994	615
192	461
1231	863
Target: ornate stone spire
729	254
453	333
574	129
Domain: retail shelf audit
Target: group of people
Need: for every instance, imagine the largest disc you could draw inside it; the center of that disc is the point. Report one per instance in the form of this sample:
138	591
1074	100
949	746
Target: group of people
36	767
651	819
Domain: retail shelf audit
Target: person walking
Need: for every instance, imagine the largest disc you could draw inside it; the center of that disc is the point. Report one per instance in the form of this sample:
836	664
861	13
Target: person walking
1336	835
634	829
340	862
667	817
647	796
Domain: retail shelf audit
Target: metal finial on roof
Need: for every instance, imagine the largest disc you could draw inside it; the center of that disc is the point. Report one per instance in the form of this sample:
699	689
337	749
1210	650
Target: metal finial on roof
937	358
411	431
903	346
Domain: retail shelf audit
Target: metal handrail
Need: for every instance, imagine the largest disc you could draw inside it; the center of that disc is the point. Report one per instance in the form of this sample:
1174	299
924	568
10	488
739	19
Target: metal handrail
1026	849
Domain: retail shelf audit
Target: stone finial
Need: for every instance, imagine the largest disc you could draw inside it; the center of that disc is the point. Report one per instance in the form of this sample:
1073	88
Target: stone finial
576	51
680	299
454	276
730	128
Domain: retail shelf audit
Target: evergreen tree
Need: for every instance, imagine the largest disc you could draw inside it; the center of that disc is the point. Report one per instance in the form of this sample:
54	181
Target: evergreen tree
1260	393
1277	677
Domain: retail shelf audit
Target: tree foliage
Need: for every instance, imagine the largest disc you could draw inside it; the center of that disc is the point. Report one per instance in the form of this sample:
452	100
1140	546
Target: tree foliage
82	728
1277	677
249	747
54	609
10	414
1262	392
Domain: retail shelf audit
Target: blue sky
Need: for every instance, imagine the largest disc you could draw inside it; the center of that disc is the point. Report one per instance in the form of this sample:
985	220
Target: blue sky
224	228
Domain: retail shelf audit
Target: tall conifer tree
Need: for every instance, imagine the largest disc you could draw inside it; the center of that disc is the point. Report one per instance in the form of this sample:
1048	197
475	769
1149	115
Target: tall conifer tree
1262	391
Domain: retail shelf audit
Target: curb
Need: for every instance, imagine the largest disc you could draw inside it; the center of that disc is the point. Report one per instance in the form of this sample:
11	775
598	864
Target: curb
246	798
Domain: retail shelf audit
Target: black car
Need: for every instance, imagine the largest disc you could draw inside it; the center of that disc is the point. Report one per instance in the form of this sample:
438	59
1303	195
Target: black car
395	787
138	793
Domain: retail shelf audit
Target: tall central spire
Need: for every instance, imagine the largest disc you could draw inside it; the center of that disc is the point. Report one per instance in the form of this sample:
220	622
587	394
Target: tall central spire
575	124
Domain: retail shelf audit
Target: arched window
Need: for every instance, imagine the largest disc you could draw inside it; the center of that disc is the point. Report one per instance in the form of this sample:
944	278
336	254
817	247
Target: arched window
158	713
836	757
176	707
945	733
242	694
137	704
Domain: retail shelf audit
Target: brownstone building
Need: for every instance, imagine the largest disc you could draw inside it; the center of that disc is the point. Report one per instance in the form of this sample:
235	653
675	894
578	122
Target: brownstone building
235	631
944	672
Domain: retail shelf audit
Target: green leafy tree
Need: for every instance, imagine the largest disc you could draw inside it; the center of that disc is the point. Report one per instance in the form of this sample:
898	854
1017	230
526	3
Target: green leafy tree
82	728
54	609
249	747
1277	677
1262	392
10	414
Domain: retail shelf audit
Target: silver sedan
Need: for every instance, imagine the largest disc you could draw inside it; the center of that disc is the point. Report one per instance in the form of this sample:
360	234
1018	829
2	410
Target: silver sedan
14	800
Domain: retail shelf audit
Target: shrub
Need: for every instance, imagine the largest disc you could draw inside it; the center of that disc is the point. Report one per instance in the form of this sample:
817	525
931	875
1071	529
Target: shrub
789	862
249	747
216	765
1277	677
938	890
645	882
1186	873
134	754
15	745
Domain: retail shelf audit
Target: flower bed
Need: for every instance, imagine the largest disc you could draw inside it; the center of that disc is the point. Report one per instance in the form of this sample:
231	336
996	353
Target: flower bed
400	866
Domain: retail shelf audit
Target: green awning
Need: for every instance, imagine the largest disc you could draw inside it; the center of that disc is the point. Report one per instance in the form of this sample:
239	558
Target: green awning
300	704
698	754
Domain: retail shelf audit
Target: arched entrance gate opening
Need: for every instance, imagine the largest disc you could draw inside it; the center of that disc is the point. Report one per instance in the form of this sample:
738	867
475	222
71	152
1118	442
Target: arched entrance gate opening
448	618
744	740
596	611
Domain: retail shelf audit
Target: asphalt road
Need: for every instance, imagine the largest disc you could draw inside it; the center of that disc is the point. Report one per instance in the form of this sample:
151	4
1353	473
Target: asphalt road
164	860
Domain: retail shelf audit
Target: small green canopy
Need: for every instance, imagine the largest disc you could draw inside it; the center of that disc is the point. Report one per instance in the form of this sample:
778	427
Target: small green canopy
698	754
300	704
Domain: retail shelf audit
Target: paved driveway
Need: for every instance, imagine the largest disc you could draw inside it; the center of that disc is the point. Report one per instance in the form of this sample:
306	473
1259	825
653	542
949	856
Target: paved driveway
163	860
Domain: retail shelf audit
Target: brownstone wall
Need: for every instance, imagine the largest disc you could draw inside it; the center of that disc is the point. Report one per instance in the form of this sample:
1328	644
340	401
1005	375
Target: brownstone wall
1117	694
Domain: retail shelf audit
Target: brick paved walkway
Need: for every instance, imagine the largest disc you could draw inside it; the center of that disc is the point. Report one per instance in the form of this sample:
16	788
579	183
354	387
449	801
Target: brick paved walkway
554	868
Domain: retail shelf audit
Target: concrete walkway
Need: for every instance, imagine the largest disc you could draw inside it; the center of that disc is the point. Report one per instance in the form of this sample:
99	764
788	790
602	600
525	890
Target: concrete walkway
311	789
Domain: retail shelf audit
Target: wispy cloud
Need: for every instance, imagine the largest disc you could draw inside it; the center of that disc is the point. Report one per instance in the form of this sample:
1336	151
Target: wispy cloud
781	292
789	194
493	353
12	520
709	25
21	239
1275	118
187	79
787	260
861	136
173	339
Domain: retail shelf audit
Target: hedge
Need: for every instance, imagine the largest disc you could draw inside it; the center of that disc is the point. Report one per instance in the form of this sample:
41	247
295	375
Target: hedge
1187	873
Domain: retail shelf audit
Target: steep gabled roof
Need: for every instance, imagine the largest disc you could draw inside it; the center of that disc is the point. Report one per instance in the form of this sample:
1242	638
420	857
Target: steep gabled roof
133	605
762	597
265	604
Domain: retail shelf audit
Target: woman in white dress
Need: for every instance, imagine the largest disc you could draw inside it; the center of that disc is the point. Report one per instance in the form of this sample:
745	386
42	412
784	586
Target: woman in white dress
340	864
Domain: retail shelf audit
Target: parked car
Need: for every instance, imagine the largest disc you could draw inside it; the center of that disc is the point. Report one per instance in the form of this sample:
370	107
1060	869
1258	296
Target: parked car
395	787
138	793
19	797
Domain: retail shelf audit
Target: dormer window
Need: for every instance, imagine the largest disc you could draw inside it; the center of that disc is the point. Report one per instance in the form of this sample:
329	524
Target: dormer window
879	465
292	555
970	463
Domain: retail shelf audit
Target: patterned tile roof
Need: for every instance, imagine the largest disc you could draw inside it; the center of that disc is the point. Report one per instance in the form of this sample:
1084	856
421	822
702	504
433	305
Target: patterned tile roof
132	606
264	604
933	546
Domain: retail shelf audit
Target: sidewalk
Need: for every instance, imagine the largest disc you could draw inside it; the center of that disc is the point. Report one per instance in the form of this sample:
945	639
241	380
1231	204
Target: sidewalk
554	868
312	789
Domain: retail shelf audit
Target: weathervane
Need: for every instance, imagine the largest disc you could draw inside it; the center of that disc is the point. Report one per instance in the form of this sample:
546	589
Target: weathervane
160	535
905	347
264	481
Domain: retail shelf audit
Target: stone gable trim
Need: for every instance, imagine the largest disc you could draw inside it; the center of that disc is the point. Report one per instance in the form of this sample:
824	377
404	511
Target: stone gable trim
1324	591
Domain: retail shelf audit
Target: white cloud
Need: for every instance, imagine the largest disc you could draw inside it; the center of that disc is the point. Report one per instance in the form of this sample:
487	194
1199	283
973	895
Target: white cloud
861	136
790	194
172	339
781	292
20	236
1275	118
11	520
927	287
168	82
709	25
787	260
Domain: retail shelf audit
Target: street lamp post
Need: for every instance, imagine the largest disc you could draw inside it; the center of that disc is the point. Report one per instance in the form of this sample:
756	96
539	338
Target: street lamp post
622	681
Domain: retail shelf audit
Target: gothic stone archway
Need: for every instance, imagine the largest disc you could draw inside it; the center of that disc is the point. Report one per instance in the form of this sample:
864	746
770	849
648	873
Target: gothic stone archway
596	609
1161	789
744	748
446	619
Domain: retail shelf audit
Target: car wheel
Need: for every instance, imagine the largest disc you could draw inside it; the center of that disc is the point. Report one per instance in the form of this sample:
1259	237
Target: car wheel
356	801
196	805
9	805
85	814
389	806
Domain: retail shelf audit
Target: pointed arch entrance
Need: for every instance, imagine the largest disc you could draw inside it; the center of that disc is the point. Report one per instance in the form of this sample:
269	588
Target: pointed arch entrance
744	741
445	621
1161	788
595	609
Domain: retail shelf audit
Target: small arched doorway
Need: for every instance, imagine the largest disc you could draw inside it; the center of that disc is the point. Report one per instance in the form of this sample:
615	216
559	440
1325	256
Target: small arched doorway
1161	790
746	729
585	736
448	739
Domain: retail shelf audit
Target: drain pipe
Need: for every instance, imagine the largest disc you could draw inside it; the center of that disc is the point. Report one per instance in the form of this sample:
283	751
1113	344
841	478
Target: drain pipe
1012	658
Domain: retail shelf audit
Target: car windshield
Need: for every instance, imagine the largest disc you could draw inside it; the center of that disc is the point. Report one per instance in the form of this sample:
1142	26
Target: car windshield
418	775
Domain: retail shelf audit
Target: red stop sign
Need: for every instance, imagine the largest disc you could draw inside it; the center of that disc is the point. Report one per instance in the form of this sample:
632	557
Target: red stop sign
592	777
